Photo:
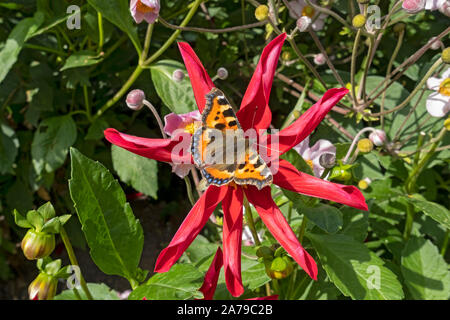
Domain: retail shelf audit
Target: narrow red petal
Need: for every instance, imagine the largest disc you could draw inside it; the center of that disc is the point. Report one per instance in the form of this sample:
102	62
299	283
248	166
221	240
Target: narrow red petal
200	80
190	228
212	276
280	229
232	238
274	297
294	134
254	111
288	177
157	149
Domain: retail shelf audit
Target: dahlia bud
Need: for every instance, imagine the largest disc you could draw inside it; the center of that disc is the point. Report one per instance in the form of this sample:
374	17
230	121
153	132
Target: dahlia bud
340	174
365	145
435	43
359	21
364	183
135	99
222	73
43	287
378	137
446	55
319	59
36	245
303	23
327	160
177	76
262	12
264	252
279	268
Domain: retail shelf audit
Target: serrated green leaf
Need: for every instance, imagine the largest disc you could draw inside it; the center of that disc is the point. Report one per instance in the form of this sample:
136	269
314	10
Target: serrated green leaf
9	145
180	283
326	217
431	209
355	270
83	58
177	96
425	270
355	223
114	235
131	167
51	143
35	219
46	211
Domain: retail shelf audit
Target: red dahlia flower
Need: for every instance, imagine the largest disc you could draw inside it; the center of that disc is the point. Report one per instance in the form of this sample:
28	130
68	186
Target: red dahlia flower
254	113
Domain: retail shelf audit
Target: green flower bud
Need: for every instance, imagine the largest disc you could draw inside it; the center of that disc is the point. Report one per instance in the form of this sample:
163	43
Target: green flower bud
279	268
399	27
446	55
264	252
36	245
359	21
340	174
43	287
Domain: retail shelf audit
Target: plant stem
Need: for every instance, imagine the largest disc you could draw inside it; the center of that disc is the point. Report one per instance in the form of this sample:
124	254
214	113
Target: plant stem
42	48
251	222
409	221
353	67
86	102
73	261
101	37
157	117
189	190
301	232
147	41
445	243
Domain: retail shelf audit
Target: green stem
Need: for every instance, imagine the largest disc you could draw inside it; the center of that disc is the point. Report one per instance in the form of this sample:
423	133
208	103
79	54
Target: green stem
148	39
409	221
301	233
353	67
86	102
189	190
419	146
73	261
445	243
42	48
101	37
251	222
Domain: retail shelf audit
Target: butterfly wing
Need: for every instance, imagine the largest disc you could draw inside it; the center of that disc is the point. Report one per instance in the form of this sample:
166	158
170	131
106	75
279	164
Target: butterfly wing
253	171
218	113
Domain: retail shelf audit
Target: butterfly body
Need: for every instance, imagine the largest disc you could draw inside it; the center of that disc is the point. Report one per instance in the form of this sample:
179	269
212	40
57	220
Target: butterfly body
221	150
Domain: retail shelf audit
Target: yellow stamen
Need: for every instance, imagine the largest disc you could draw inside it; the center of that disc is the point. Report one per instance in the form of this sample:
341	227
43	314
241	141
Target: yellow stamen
444	87
143	8
308	11
310	163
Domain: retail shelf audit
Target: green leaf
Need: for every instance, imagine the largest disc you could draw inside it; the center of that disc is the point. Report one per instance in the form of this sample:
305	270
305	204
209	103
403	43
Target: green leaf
355	223
130	167
177	96
46	211
95	131
354	269
425	270
9	145
180	283
51	143
112	232
35	219
431	209
118	12
16	39
20	220
326	217
99	291
81	59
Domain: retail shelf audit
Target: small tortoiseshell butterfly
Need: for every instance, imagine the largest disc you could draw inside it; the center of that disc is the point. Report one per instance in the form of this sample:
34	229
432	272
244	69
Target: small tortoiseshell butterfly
221	150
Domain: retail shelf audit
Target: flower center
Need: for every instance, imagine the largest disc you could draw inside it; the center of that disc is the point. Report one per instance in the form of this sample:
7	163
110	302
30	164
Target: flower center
444	88
190	128
310	163
144	8
308	11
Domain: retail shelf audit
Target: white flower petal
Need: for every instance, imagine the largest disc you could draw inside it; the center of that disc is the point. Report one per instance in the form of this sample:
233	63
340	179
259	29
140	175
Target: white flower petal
438	105
446	74
434	83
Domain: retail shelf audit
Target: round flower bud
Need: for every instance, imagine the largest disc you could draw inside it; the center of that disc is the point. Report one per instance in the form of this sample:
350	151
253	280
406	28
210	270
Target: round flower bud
447	124
222	73
446	55
399	27
365	145
435	43
178	75
262	12
36	245
340	174
279	268
364	183
327	160
135	99
378	137
43	287
319	59
359	21
303	23
264	252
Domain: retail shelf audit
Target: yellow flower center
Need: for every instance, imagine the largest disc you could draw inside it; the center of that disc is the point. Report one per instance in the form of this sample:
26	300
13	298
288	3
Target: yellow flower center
444	88
143	8
190	128
363	185
308	11
310	163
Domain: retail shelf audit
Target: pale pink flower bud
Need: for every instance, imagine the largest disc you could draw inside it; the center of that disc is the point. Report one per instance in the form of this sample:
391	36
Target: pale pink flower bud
378	137
303	23
135	99
436	43
222	73
413	6
319	59
147	10
444	7
178	75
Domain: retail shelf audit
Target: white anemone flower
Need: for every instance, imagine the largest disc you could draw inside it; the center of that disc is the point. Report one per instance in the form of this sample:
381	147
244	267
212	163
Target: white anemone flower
312	155
299	8
438	103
